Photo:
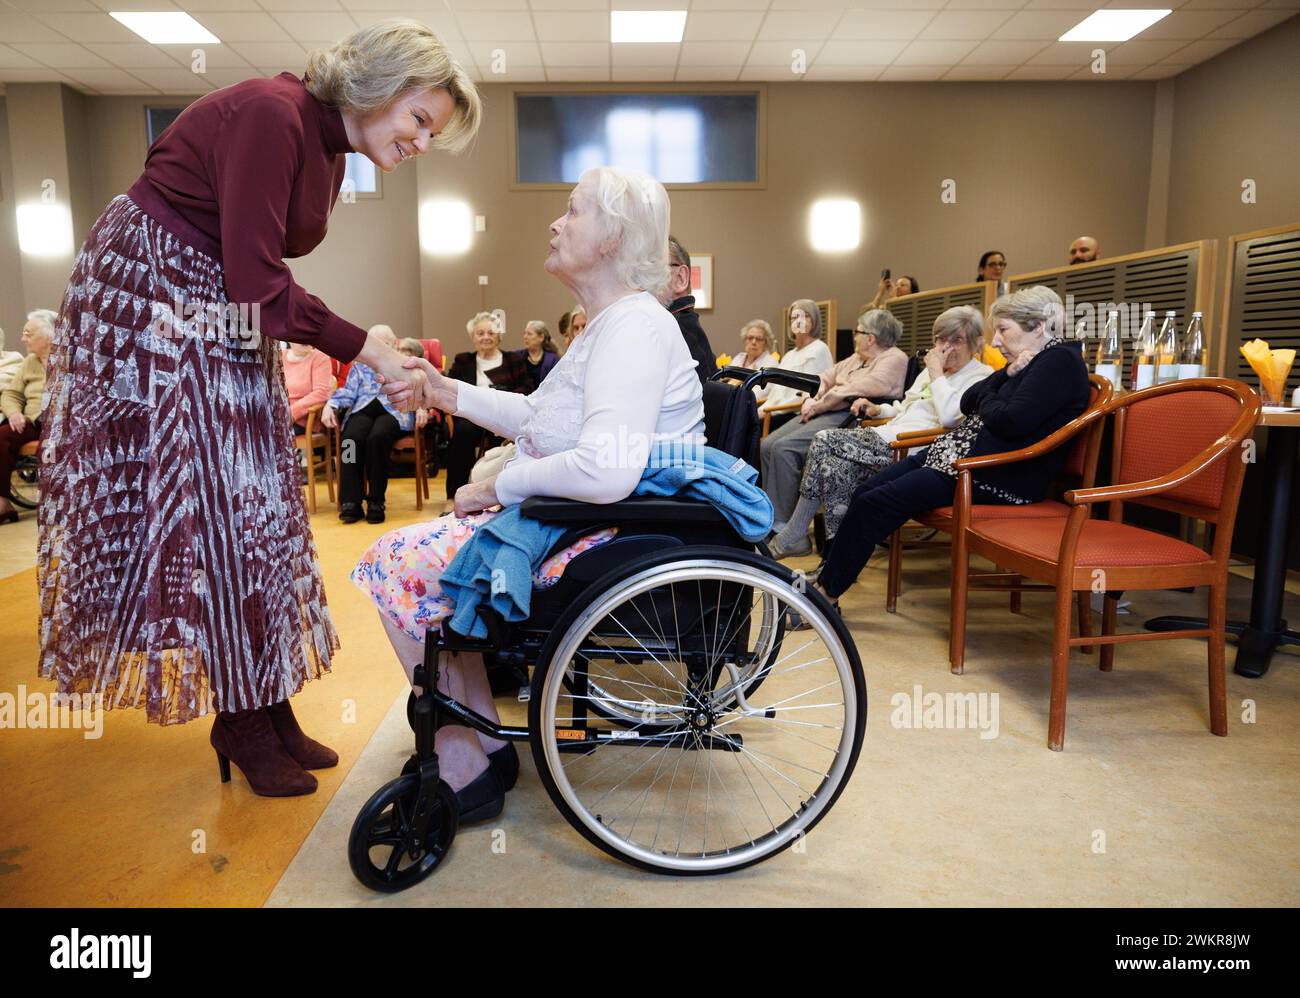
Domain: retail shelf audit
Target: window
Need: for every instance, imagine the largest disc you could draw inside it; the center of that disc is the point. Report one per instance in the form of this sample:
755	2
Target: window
677	138
156	120
361	176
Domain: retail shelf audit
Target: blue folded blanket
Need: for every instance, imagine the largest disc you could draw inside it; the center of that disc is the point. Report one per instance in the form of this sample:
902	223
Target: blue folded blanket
497	564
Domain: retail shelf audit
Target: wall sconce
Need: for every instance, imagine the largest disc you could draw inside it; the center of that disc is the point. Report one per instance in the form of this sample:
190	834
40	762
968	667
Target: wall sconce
835	226
446	227
45	229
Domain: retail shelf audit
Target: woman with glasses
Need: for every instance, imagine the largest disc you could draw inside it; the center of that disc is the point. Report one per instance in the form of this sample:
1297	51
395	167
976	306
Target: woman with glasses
993	264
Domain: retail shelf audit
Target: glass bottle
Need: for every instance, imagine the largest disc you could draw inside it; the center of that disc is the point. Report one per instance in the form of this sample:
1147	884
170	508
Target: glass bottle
1144	360
1167	350
1191	359
1110	350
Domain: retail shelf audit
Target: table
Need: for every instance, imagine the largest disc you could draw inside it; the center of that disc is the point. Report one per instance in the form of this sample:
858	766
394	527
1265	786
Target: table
1258	638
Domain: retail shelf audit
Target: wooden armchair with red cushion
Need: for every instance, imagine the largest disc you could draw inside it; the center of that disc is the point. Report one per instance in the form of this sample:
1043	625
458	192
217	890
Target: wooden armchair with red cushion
1177	447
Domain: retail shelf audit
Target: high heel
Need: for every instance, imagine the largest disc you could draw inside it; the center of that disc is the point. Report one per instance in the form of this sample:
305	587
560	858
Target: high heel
307	752
248	738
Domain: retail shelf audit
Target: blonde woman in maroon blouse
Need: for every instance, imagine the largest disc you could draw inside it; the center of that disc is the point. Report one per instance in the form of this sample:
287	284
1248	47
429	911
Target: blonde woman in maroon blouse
176	568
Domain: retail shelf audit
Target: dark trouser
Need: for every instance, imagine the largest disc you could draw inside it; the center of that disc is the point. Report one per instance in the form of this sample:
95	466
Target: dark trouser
879	507
11	441
368	436
462	452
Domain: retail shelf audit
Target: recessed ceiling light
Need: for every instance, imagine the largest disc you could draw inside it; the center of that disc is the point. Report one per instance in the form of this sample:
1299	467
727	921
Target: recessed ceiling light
1113	25
166	27
643	26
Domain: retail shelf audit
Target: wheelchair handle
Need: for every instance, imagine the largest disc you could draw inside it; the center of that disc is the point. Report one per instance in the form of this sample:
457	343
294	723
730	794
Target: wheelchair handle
764	376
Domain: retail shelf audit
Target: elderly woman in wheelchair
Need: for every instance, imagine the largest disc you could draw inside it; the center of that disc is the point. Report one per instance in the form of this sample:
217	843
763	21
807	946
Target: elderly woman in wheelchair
670	719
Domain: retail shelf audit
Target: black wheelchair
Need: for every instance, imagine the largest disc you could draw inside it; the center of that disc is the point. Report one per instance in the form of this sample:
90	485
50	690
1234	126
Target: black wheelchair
675	719
25	483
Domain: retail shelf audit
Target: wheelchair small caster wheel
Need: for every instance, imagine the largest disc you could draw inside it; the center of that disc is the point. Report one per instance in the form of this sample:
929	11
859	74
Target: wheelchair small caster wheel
400	835
410	709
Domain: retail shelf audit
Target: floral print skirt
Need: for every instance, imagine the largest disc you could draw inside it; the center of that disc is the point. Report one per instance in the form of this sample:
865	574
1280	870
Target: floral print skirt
400	571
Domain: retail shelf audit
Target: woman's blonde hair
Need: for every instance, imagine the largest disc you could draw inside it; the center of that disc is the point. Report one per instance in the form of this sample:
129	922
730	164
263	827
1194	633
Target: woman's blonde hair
763	326
368	69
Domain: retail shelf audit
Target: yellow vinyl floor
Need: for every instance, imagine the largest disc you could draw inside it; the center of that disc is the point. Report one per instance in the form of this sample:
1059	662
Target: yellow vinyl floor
1144	806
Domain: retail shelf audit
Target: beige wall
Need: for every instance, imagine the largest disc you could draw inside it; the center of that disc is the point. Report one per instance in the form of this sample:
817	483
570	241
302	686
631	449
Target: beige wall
1035	166
12	312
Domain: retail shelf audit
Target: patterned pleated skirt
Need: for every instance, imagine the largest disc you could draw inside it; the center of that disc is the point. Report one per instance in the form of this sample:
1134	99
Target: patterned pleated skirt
176	567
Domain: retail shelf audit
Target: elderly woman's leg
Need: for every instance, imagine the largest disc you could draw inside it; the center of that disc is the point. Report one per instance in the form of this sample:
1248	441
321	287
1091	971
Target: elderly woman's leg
783	454
462	753
384	432
879	507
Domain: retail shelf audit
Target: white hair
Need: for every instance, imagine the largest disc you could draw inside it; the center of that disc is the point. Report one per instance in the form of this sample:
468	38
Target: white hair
491	318
634	210
384	332
46	318
1029	307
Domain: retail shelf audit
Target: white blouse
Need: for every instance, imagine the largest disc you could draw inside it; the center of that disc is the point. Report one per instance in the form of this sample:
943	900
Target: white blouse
812	359
626	383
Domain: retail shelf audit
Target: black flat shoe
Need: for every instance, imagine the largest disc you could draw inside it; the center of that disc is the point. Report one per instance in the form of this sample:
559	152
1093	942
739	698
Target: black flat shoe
505	761
10	517
350	512
374	512
482	799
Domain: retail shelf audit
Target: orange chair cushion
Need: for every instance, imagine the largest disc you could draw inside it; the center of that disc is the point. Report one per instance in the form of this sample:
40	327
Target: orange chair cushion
1163	433
942	517
29	449
1101	543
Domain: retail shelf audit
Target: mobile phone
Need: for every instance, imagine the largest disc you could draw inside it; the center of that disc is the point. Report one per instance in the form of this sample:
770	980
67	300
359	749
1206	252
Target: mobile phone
884	274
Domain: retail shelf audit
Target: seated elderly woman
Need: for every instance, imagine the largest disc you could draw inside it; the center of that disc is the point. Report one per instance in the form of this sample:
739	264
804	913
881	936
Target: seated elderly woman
538	354
1043	387
809	355
21	403
840	459
370	428
308	379
610	249
486	366
876	369
759	345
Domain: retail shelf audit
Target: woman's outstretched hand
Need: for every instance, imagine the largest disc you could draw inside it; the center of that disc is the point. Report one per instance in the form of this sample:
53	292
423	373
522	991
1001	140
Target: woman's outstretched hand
435	390
476	497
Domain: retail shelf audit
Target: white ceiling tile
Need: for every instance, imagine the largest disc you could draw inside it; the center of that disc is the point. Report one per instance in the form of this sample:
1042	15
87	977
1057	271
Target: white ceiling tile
173	81
56	5
1066	54
1040	24
65	56
898	74
16	27
863	53
1208	48
99	79
1284	4
642	74
1141	53
318	27
1220	4
11	58
151	5
578	74
713	53
575	54
1007	5
813	4
716	26
897	6
216	56
497	27
657	54
968	72
1040	73
516	54
999	53
1161	72
242	26
1113	74
572	26
781	25
1188	25
97	27
32	76
857	74
518	74
440	19
729	4
197	5
1061	5
479	5
1252	23
569	4
874	25
964	25
286	55
275	6
136	56
782	53
934	53
707	74
1140	4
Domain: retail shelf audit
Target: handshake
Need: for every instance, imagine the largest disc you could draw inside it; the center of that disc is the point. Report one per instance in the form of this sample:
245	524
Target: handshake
413	383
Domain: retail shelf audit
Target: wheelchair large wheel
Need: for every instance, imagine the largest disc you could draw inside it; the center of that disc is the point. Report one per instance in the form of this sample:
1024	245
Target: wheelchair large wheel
620	704
25	483
720	780
386	849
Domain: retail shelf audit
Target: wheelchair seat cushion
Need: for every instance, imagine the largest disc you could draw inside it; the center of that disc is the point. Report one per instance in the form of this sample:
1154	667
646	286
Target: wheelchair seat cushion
401	570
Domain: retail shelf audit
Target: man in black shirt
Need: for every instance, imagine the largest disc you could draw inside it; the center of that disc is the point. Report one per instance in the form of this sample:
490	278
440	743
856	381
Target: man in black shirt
682	306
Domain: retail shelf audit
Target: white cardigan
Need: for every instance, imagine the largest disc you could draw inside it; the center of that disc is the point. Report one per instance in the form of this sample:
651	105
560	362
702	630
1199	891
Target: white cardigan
627	382
812	359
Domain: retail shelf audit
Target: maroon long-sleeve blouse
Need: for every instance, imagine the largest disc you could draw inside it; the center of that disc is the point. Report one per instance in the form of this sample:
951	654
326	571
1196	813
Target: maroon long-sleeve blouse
249	175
